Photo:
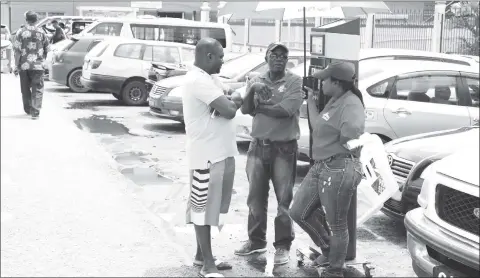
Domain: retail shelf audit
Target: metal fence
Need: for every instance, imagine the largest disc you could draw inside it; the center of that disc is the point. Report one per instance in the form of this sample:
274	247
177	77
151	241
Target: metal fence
403	29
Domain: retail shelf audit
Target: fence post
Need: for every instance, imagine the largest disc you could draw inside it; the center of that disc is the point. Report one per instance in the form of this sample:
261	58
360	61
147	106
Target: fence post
205	12
438	25
246	34
278	30
369	31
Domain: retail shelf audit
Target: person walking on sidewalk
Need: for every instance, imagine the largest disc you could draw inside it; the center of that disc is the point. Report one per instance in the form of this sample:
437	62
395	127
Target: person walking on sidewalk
274	100
30	47
211	147
321	204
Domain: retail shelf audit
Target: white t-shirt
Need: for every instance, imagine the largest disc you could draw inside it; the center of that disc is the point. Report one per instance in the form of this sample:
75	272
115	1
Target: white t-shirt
208	139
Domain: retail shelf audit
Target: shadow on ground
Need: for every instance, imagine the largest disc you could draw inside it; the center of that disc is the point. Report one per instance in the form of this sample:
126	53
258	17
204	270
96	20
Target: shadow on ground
171	128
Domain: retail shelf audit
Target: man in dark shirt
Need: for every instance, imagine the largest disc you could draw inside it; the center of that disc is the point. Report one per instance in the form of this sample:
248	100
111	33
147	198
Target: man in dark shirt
274	100
59	34
31	46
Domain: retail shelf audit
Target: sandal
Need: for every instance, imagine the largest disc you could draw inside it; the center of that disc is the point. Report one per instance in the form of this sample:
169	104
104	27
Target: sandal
219	264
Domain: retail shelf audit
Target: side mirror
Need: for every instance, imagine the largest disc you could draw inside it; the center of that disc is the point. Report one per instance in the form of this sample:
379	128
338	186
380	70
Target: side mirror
251	75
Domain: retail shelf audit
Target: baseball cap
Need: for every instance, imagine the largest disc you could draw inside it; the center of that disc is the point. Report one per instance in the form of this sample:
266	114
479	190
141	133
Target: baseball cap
339	70
271	47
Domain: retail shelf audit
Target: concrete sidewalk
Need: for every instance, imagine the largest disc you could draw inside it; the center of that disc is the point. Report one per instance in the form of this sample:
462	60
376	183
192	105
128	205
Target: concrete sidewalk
65	209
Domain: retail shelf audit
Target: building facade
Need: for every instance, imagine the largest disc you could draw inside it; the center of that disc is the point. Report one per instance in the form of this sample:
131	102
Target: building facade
12	10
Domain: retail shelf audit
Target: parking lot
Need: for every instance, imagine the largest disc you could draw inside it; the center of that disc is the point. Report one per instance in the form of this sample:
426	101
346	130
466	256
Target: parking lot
150	152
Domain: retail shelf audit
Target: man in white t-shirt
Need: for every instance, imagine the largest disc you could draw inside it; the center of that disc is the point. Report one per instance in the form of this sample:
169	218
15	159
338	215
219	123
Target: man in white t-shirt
210	147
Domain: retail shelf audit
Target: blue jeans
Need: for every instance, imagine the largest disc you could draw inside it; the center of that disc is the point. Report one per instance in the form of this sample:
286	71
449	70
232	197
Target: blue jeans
276	161
320	206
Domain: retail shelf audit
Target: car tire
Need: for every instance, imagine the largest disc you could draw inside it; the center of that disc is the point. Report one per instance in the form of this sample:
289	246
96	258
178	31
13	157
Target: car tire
134	93
117	96
74	82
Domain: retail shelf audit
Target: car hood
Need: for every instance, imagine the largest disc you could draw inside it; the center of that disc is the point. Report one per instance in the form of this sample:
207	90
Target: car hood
441	144
176	81
462	165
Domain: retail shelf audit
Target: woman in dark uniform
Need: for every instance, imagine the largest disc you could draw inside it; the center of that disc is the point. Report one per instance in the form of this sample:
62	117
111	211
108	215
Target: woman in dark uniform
321	204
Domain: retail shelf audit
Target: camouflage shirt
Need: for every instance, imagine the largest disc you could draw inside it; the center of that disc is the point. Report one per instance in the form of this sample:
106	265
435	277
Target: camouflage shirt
31	46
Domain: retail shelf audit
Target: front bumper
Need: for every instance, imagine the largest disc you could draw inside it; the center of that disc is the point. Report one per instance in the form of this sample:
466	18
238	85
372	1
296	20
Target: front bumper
430	247
167	108
397	209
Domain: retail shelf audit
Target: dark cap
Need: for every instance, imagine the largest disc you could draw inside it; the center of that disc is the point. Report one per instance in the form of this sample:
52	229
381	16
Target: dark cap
340	70
31	16
271	47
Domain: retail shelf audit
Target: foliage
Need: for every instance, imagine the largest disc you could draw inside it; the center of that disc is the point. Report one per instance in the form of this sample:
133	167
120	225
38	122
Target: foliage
466	16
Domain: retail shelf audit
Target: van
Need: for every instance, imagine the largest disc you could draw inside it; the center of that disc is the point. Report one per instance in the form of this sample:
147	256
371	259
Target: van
162	29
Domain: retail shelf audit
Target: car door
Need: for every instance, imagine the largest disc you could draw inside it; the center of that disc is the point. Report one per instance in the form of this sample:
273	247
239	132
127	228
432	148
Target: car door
471	88
424	102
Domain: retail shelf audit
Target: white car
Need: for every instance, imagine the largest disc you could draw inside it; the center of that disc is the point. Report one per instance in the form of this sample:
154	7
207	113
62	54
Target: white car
120	66
402	99
443	233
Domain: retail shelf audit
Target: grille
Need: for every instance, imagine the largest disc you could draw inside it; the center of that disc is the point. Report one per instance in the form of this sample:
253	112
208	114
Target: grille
158	90
457	208
401	168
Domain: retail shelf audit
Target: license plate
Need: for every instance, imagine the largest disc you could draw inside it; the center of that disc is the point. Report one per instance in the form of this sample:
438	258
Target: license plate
446	272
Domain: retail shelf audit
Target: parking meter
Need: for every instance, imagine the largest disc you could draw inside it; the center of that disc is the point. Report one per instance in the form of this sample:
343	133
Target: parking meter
333	42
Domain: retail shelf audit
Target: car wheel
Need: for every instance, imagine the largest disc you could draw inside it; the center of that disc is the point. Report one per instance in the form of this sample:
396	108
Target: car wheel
134	93
117	96
74	82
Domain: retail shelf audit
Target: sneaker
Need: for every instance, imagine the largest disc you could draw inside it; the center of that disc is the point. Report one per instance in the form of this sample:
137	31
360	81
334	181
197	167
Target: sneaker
35	117
249	248
282	256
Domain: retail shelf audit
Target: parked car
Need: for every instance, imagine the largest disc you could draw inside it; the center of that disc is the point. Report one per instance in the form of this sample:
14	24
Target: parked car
165	101
402	99
120	66
443	233
68	61
410	157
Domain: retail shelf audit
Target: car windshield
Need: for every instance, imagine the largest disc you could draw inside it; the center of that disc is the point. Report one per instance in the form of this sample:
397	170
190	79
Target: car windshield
240	64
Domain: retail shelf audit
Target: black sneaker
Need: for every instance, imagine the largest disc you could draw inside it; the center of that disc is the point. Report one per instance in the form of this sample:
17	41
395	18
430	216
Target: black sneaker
282	256
330	274
249	248
321	261
35	117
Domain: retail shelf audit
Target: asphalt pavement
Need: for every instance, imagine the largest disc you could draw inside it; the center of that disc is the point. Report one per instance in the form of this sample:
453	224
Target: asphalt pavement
139	161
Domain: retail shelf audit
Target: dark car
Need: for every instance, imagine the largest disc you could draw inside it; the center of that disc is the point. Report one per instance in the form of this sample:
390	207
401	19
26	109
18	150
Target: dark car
165	99
409	158
68	61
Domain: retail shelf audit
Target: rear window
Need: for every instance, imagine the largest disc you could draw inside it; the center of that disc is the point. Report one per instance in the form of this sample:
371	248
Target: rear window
181	34
80	45
107	29
98	49
129	50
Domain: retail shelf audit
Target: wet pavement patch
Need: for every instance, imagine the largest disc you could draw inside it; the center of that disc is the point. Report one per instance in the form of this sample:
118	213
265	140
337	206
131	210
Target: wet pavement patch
145	176
101	124
132	158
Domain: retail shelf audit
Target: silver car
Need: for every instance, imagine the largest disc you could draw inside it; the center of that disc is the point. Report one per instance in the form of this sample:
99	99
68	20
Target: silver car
404	98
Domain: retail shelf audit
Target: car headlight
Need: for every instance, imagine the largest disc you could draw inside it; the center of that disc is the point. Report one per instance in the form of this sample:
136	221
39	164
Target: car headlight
429	180
176	92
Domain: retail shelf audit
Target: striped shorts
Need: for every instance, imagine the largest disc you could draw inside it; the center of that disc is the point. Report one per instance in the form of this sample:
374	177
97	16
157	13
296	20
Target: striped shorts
211	193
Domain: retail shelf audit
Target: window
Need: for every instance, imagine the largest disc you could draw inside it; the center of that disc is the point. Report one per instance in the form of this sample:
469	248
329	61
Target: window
129	50
379	89
80	46
166	54
473	85
188	55
107	29
92	45
181	34
432	89
162	54
98	50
